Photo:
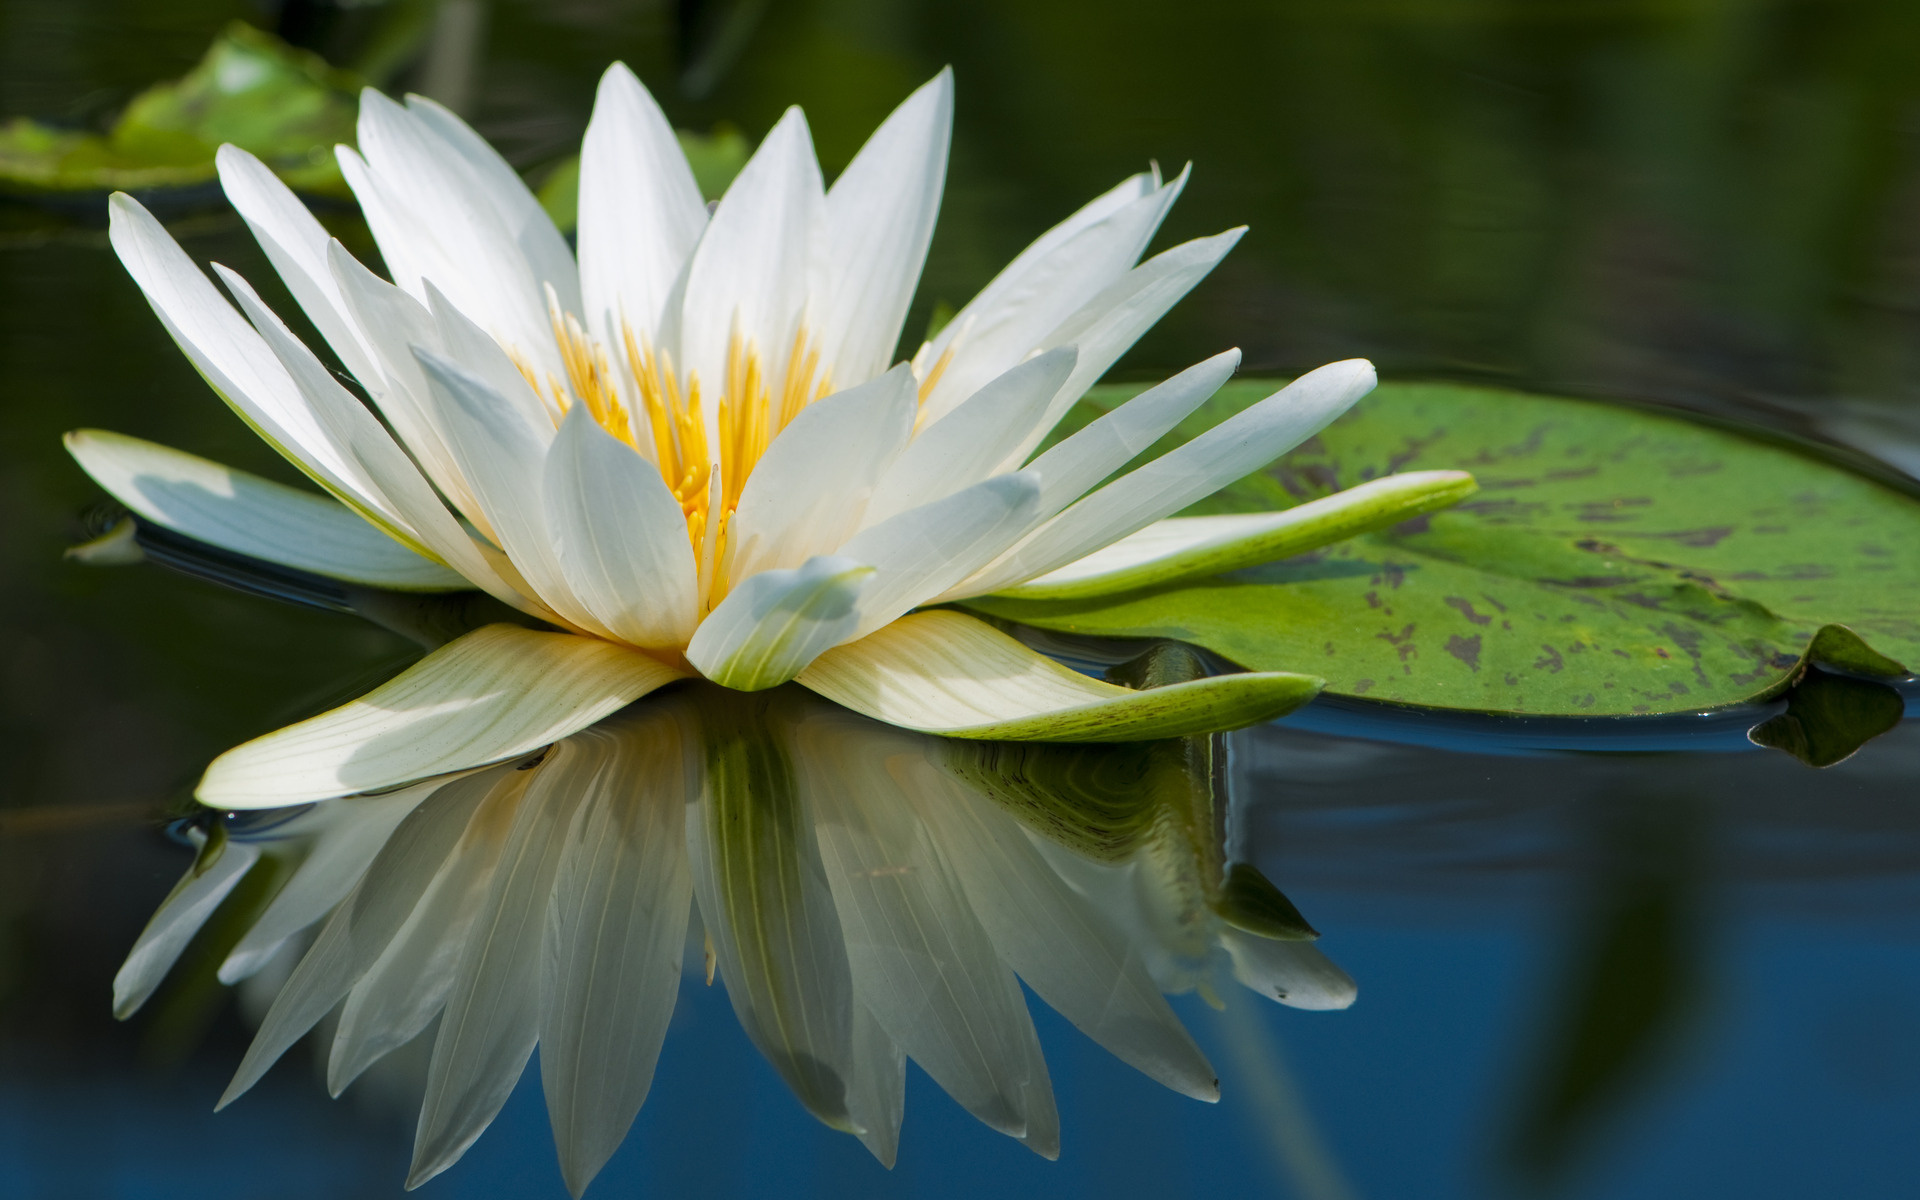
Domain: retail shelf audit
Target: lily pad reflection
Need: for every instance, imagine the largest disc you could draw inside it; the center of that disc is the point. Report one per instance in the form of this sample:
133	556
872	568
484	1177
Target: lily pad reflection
866	894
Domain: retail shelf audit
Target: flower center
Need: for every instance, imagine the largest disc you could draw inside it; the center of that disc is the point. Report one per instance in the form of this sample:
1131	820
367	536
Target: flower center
705	458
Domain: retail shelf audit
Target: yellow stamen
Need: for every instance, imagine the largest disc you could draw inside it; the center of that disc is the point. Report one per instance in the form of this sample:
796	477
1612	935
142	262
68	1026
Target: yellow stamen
668	424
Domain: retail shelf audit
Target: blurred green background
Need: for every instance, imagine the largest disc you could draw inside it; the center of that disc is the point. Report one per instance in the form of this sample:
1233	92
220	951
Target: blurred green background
1709	204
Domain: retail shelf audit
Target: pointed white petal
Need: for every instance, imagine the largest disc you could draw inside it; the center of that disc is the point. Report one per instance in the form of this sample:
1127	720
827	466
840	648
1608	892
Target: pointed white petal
1113	321
765	904
213	874
947	673
1046	285
877	1096
925	550
495	693
1084	459
492	1016
510	198
640	210
759	261
364	924
501	454
407	985
452	226
296	244
1181	548
394	323
480	355
252	516
1296	974
1236	447
880	217
619	927
979	439
620	536
808	492
332	444
921	962
399	488
354	830
1061	944
773	624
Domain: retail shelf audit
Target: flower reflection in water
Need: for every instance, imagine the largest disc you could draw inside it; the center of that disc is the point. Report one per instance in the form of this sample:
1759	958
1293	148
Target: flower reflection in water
867	895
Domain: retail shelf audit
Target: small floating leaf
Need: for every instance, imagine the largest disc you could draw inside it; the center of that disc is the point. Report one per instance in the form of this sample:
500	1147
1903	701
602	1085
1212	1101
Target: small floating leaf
1615	561
1829	717
286	106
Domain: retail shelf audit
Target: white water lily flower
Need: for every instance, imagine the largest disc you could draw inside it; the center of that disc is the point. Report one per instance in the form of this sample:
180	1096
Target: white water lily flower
689	449
867	895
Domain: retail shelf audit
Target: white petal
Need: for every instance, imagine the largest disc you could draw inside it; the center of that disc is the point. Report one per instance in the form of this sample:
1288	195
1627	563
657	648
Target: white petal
252	516
407	985
1182	548
640	210
364	924
213	874
453	228
765	904
495	693
483	357
1054	278
773	624
947	673
1113	321
296	244
1236	447
980	438
880	217
492	1016
1061	944
501	455
924	551
355	828
809	490
759	261
399	486
921	963
1296	974
394	323
620	536
1090	455
620	902
328	445
509	196
877	1094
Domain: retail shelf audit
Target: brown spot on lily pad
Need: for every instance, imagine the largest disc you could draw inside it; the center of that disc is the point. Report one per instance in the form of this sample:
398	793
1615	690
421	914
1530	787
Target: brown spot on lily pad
1467	650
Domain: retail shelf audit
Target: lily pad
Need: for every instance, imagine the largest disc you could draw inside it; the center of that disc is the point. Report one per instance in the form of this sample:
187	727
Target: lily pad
285	105
1615	561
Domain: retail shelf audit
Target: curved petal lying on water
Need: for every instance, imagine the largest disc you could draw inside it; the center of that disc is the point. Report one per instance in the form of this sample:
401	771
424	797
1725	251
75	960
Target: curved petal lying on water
947	673
249	515
497	692
1183	548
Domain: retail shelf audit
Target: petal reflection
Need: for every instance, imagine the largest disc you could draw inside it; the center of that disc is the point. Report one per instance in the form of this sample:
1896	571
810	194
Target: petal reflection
867	894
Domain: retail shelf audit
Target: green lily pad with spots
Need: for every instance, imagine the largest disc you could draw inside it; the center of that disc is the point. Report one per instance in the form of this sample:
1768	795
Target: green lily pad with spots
1614	561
